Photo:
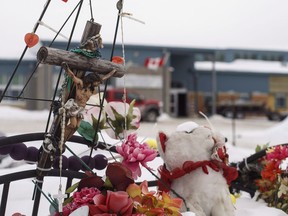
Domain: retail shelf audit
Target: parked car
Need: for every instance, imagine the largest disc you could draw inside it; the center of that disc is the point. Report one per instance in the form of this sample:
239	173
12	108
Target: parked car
150	109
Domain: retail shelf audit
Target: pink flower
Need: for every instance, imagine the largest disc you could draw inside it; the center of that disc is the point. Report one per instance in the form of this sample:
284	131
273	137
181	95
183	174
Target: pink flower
135	153
279	153
81	198
114	203
85	195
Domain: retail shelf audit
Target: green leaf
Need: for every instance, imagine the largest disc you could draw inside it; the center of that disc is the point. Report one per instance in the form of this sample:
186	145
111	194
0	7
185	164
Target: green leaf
119	122
101	123
108	183
68	200
87	131
72	188
258	148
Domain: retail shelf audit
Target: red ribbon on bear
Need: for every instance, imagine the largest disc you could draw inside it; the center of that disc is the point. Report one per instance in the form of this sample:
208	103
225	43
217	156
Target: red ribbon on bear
167	177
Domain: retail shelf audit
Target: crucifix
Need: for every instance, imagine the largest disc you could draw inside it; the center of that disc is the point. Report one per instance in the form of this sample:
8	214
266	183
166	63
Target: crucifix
84	89
60	196
75	63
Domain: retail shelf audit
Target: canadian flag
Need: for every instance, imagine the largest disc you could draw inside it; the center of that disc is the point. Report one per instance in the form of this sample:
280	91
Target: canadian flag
154	63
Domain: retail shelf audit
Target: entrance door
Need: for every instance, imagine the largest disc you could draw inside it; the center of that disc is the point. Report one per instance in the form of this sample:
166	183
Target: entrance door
178	102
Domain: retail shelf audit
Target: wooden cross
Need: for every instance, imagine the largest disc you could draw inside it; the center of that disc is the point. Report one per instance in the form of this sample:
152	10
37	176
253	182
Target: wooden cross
60	196
75	65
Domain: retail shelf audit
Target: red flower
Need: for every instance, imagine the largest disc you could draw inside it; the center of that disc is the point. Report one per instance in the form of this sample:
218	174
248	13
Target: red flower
119	175
114	203
271	170
272	162
268	185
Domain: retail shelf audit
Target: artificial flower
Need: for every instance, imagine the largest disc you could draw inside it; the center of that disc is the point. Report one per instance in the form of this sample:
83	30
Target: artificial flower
271	170
93	121
119	176
91	181
80	198
283	189
136	191
118	203
151	203
278	154
122	118
85	195
273	184
135	153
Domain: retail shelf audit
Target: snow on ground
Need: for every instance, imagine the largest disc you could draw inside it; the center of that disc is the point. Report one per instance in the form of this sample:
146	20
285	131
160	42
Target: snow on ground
255	131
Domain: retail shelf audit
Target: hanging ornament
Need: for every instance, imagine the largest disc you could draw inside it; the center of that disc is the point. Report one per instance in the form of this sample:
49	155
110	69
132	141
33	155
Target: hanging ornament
117	60
31	39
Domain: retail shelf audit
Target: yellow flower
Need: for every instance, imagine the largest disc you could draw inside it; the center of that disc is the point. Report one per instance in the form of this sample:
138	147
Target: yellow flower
233	198
152	143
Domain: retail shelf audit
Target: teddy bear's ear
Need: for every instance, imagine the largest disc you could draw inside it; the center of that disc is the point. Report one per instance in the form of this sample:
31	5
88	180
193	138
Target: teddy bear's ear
163	139
187	127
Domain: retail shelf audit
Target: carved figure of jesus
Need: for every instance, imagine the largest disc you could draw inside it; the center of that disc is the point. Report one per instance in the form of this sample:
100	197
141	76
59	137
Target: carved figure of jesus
85	88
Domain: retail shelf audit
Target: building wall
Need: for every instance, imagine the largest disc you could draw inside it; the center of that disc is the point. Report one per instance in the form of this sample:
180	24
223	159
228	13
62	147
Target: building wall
184	75
24	71
144	81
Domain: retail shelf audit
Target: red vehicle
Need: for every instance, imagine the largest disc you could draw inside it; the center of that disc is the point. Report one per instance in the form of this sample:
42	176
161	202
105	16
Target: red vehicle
150	109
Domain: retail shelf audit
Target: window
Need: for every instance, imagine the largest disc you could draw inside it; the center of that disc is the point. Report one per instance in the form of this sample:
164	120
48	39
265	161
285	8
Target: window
18	79
3	79
280	101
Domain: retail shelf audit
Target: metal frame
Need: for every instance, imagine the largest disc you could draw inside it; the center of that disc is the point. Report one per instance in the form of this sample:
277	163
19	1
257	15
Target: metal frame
5	180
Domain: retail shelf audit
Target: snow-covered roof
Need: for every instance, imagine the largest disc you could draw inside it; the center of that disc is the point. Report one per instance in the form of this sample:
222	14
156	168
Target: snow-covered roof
257	66
257	24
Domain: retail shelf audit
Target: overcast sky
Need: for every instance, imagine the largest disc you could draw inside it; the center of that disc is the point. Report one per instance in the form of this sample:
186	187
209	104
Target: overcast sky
255	24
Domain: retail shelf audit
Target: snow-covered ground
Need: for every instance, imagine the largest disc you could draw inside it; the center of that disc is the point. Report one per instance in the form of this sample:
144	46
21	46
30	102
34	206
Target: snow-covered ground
246	135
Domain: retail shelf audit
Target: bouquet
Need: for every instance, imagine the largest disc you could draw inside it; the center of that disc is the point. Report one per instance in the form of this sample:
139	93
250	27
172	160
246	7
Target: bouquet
273	186
117	193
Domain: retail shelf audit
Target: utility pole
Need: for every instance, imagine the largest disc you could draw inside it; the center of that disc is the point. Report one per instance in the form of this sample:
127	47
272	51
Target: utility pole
166	81
214	85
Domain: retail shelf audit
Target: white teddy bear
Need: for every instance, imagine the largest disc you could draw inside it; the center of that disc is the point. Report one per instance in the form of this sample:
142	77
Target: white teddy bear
195	169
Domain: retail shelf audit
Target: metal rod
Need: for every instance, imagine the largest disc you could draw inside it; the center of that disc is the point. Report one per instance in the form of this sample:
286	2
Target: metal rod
23	53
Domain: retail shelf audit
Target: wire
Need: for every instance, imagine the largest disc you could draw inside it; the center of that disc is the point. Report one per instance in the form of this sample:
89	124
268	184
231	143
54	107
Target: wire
38	63
79	5
24	52
106	81
91	11
124	80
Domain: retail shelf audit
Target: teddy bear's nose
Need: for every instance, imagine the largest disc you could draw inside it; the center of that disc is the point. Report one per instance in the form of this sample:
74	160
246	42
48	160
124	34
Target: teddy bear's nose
226	139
